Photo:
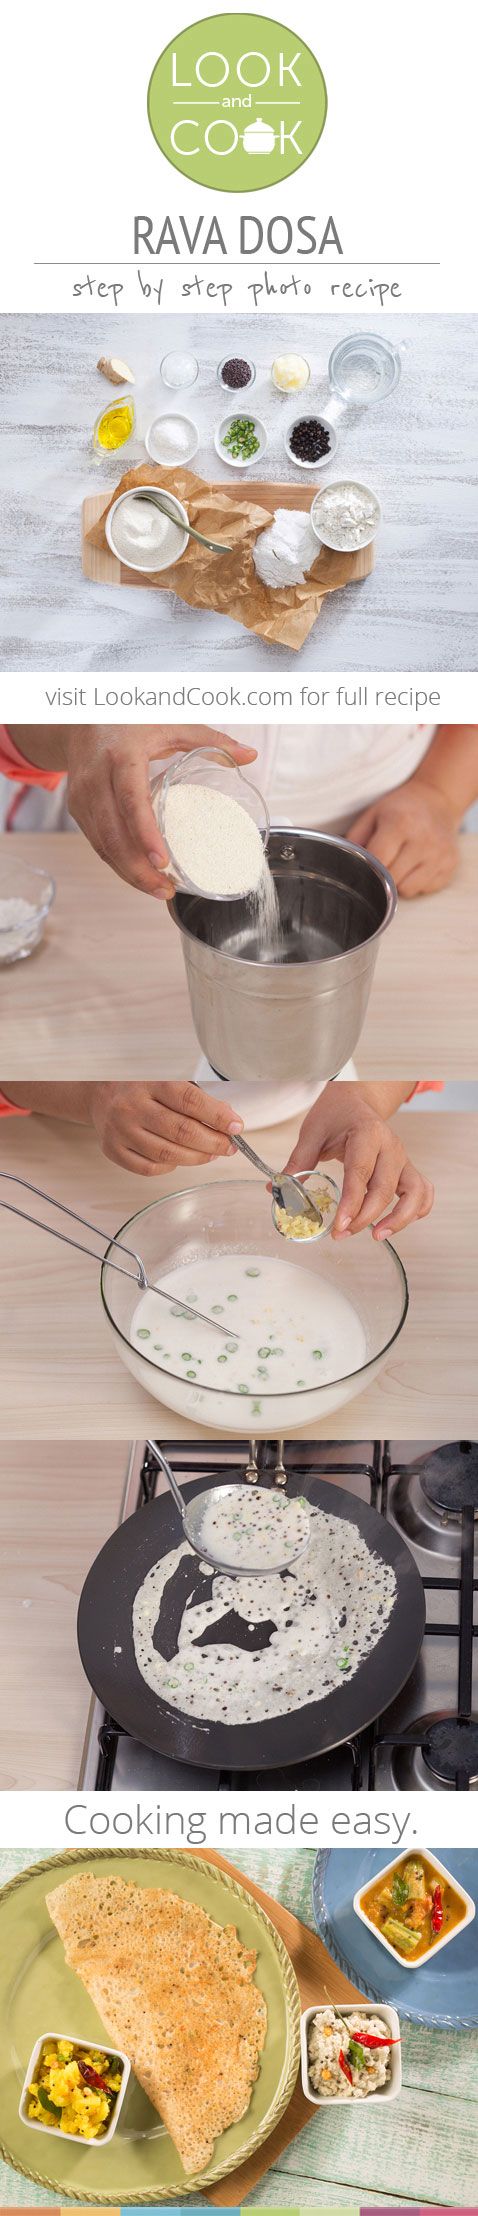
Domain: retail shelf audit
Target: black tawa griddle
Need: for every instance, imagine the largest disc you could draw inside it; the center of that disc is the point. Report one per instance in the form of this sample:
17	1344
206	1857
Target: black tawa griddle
105	1639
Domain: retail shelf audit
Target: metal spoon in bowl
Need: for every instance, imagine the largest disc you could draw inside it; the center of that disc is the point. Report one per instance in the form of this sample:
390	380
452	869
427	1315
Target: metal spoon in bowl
242	1505
158	500
287	1191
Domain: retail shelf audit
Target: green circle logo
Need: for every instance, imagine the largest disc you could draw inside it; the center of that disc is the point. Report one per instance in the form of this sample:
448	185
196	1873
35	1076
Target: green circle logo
237	102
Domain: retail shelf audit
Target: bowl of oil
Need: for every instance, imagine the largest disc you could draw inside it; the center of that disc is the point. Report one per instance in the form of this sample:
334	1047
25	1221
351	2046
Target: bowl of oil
115	424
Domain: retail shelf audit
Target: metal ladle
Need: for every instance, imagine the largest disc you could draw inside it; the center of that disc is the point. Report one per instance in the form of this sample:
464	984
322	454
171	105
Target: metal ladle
192	1515
159	500
287	1192
138	1274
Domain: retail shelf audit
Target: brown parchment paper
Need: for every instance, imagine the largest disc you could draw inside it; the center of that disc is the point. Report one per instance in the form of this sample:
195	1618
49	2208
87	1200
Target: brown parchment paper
228	583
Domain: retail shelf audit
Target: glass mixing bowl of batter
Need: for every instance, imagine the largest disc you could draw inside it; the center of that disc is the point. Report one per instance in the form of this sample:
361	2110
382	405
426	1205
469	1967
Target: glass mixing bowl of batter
305	1325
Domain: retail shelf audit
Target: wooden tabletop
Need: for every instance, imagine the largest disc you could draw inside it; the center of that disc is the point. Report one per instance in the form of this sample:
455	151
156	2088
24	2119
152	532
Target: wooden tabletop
105	994
60	1375
417	449
67	1503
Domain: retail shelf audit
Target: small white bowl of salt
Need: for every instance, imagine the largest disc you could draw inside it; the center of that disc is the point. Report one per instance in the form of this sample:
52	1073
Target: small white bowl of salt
26	896
172	439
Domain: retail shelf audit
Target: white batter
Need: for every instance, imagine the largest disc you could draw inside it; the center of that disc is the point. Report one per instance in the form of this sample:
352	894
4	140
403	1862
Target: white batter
253	1529
295	1330
324	1615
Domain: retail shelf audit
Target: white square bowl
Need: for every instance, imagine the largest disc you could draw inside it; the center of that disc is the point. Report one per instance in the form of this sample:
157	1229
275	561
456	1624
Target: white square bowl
406	1961
367	2008
86	2045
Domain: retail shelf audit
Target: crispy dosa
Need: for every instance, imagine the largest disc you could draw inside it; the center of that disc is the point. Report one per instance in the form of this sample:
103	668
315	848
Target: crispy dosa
175	1991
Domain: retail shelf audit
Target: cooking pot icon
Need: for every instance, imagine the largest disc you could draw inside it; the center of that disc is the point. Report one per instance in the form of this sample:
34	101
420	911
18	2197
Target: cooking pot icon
259	137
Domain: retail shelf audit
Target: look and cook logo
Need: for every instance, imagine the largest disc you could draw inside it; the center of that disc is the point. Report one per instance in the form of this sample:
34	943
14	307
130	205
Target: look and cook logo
237	102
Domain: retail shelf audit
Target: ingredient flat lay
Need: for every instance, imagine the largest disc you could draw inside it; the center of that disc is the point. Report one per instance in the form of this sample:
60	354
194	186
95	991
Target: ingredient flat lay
413	448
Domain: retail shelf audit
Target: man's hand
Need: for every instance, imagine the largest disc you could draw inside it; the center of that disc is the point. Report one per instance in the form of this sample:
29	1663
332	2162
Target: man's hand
153	1128
413	832
110	799
342	1127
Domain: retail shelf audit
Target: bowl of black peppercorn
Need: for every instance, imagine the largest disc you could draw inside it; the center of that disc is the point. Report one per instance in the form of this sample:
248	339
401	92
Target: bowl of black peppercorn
311	442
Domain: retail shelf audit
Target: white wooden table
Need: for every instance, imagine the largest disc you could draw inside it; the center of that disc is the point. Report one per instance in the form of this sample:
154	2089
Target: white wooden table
417	611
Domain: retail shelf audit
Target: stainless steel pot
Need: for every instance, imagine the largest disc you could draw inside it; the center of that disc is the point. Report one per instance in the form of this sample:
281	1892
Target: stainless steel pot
298	1014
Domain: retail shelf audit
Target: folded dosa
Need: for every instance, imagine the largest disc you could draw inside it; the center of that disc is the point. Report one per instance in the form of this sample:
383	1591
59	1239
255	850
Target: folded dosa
175	1991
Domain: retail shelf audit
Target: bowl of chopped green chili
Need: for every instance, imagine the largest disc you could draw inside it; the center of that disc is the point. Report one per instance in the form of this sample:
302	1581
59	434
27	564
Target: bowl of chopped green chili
241	439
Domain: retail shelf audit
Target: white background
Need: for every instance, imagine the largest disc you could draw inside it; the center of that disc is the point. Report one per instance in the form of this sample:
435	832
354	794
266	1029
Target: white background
184	1819
395	165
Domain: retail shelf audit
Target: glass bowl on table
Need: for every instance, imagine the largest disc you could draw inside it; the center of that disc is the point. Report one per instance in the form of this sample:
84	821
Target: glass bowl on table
222	1230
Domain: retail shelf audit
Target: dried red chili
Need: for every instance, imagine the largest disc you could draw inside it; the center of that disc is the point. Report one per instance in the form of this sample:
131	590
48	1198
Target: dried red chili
343	2065
91	2078
437	1908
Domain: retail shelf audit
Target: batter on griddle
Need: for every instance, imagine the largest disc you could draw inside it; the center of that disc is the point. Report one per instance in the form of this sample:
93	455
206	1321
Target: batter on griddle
321	1617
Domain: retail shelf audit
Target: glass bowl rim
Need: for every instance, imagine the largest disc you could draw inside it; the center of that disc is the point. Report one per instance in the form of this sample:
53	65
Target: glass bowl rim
45	901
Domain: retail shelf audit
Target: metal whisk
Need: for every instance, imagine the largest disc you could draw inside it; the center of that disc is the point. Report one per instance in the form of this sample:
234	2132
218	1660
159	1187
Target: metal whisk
138	1274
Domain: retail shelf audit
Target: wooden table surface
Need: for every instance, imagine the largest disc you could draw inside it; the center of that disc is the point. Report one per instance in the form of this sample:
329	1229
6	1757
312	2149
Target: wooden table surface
105	994
422	2150
60	1376
57	1509
417	449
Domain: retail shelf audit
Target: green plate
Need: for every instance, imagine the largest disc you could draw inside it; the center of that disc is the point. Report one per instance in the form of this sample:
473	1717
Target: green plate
38	1993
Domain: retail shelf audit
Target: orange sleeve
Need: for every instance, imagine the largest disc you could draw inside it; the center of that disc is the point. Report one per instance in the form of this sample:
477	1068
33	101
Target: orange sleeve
8	1107
15	765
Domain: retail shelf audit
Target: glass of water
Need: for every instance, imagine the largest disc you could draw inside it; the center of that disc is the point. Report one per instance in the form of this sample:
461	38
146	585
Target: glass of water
364	368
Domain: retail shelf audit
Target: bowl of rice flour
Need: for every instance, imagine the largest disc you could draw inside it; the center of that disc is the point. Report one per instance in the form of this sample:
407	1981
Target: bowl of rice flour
142	536
345	515
215	825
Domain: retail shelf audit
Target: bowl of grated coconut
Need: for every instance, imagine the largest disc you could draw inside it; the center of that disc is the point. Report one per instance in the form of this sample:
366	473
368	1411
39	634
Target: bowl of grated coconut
26	896
215	825
285	552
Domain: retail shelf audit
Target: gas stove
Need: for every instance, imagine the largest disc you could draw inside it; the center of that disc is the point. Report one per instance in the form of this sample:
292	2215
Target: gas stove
428	1739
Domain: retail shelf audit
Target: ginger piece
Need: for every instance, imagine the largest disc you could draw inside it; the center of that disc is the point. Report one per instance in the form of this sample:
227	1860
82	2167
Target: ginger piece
117	372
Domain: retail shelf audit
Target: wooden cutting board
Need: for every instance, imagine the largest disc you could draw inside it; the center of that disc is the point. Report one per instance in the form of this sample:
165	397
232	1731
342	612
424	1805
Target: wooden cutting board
319	1980
103	567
